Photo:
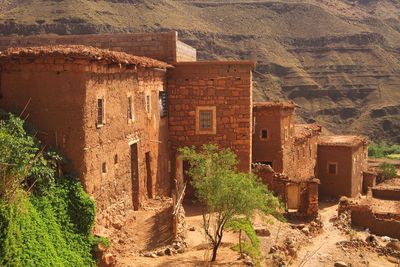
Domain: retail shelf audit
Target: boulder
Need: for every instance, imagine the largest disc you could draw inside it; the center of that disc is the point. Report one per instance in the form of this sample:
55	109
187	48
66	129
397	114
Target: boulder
262	232
108	259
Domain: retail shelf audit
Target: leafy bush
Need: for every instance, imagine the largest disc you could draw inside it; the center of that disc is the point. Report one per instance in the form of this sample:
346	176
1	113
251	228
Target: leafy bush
224	192
44	221
382	150
386	171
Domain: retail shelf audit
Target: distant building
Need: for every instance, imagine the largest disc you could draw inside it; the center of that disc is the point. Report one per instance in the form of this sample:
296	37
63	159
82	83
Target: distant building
341	163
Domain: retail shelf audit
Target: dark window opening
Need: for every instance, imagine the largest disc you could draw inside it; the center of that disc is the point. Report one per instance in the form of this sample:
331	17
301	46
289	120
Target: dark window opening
205	119
100	111
332	168
264	134
104	167
116	159
163	103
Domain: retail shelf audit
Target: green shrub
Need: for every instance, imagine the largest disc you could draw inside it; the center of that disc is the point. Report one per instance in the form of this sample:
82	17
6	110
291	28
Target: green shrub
382	150
44	221
386	171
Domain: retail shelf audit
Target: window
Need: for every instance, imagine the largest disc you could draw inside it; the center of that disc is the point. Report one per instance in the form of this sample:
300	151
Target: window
206	120
148	103
103	167
264	134
130	108
115	159
332	167
163	103
100	112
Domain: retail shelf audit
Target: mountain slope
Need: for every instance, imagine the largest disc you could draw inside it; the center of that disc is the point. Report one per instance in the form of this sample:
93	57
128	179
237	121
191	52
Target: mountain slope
339	60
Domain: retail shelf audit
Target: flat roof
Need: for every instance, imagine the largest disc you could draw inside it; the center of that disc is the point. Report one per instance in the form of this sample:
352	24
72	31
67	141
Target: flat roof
280	104
102	56
342	140
250	63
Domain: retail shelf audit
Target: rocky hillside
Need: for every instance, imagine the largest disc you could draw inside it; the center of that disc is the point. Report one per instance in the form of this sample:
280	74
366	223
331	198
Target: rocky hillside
339	60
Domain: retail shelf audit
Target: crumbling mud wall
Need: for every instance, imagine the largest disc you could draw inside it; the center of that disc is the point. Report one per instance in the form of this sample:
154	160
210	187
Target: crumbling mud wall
384	224
386	193
369	181
163	46
226	88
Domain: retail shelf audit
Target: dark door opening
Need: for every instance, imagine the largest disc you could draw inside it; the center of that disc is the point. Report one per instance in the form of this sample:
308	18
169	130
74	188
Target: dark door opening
190	191
135	176
149	182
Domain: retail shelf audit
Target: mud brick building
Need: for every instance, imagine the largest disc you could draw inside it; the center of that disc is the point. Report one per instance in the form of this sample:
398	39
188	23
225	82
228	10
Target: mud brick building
119	118
290	151
342	161
96	106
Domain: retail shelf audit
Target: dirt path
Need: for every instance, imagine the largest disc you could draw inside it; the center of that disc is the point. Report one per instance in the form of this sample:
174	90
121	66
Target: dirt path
323	251
322	246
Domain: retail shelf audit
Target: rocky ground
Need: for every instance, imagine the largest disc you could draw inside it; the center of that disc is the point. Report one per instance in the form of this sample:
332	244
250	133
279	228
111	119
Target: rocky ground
326	241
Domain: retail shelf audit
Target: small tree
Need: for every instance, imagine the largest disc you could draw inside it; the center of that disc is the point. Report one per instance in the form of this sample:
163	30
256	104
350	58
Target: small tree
386	171
224	192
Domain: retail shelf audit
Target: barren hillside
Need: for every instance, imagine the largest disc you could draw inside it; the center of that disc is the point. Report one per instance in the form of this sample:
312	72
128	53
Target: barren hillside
339	60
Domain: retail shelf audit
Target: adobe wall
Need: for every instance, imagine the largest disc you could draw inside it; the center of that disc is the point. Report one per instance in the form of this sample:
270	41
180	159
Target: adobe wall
380	224
301	162
275	120
163	46
369	180
360	154
339	184
54	102
386	193
62	106
113	139
227	86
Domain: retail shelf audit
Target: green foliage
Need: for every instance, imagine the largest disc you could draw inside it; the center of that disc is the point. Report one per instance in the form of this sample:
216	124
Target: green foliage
251	248
50	224
383	150
22	163
223	191
394	156
386	171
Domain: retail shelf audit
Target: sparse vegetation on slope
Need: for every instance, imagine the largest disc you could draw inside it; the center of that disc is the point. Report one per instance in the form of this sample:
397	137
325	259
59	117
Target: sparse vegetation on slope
44	220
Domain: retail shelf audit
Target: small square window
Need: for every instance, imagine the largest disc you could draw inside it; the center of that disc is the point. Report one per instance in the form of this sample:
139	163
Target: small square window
130	108
264	134
332	168
205	120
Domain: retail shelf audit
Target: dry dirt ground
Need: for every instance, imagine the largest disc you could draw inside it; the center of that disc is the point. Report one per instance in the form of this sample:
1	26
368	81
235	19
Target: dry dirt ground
318	249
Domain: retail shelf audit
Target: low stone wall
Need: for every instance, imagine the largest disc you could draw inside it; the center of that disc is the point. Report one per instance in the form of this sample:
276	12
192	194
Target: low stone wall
384	224
386	193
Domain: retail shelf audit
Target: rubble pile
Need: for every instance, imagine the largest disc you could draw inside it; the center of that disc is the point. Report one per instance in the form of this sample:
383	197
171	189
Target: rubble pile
310	229
371	243
343	222
170	250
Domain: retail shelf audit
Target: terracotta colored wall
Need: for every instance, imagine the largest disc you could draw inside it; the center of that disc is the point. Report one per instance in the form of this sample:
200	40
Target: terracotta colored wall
55	106
358	167
386	193
159	45
149	131
381	225
339	184
63	107
275	147
228	87
369	180
302	159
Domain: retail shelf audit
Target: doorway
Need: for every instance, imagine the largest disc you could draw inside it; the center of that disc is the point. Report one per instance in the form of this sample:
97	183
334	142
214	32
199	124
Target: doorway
135	176
293	196
149	180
